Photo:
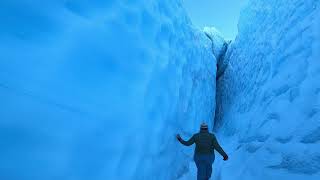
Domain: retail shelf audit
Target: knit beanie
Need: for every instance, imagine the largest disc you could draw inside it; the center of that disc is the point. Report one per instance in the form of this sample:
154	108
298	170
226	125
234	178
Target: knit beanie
204	126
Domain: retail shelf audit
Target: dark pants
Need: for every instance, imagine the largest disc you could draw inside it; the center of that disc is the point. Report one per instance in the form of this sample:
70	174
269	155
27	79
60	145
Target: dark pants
204	164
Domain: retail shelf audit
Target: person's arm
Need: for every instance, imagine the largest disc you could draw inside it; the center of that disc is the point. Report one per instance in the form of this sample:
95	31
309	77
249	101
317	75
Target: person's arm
186	143
217	147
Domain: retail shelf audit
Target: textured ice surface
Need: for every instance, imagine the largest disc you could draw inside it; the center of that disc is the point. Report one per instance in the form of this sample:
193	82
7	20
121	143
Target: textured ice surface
98	89
219	48
269	95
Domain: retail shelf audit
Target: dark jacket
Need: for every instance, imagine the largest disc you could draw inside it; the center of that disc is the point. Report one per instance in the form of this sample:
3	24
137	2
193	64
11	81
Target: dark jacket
205	142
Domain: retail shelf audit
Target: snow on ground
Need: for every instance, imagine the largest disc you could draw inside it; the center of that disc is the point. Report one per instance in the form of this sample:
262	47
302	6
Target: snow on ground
269	95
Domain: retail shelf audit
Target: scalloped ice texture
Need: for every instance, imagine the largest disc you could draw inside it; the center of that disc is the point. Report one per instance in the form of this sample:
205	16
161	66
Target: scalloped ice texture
268	97
98	89
219	48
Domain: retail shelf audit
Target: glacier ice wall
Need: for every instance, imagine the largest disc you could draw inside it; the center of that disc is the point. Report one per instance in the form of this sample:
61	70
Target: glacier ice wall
268	98
219	48
98	89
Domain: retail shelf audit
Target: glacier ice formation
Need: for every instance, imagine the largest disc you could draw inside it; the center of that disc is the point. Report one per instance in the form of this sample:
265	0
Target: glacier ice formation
268	96
98	89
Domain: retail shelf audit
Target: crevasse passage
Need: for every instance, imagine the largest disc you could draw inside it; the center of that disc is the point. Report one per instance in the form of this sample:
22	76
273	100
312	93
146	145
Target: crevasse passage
98	90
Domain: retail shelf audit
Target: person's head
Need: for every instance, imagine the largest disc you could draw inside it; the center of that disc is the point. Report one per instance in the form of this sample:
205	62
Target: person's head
204	126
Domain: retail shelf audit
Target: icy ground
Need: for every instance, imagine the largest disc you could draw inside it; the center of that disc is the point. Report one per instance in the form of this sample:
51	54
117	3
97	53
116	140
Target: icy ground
98	89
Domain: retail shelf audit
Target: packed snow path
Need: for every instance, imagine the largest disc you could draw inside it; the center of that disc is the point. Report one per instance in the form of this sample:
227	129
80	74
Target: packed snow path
98	90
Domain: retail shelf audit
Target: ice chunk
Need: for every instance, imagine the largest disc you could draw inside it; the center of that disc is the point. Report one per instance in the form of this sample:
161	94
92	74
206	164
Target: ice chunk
219	48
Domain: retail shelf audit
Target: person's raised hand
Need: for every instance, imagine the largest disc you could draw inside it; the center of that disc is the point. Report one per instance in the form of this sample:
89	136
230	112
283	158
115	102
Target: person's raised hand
225	157
178	137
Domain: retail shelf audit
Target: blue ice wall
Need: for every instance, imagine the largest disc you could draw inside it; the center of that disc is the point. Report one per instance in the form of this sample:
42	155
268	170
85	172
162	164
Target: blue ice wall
98	89
268	98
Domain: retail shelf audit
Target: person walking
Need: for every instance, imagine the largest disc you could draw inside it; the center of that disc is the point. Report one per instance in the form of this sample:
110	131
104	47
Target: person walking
206	143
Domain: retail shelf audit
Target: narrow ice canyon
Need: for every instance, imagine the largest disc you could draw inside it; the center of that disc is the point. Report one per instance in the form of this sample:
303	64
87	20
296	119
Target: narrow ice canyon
98	90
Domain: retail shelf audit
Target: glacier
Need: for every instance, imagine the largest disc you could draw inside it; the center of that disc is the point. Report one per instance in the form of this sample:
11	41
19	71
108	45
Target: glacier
268	95
98	90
